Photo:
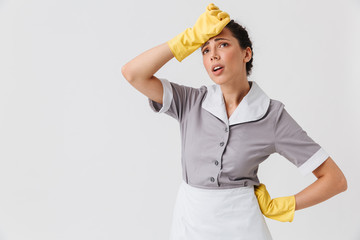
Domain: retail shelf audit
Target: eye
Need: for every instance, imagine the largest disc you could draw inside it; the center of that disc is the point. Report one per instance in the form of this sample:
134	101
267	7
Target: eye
224	44
205	51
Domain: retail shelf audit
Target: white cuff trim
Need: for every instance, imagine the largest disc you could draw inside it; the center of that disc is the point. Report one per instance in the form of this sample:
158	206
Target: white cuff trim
167	96
313	162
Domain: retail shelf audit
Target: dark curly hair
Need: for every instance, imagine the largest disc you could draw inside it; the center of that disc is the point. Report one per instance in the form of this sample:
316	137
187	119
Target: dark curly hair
240	33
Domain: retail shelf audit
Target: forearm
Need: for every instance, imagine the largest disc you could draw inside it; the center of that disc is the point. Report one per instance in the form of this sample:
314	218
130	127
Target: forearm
329	183
145	65
209	24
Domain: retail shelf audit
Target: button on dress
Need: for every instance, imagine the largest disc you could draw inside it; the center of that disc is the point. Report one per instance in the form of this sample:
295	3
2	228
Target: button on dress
220	158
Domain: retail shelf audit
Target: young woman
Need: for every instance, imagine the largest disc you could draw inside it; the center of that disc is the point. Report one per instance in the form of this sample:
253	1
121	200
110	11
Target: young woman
227	130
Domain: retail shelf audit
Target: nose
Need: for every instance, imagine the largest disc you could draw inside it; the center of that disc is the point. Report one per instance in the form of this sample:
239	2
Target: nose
214	55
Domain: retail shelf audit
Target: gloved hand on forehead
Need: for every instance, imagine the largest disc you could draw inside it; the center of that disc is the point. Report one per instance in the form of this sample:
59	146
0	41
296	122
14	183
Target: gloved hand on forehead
208	25
281	209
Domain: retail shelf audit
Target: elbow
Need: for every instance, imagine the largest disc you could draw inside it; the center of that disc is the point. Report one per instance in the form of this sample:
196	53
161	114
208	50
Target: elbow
339	182
125	72
343	184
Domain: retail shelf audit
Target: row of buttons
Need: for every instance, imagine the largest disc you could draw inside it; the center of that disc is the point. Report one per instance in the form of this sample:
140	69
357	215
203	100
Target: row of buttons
217	162
222	143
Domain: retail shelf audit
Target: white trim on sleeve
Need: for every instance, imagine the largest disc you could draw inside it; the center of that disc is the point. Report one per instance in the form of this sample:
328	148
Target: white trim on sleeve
313	162
167	96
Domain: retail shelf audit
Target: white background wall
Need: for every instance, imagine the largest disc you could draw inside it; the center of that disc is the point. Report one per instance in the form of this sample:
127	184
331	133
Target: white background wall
82	156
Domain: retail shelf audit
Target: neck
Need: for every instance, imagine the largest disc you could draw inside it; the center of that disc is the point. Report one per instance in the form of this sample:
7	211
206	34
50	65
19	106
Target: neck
234	92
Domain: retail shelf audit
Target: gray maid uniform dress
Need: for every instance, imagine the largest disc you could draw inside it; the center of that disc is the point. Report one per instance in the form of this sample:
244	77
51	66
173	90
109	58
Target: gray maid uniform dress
220	158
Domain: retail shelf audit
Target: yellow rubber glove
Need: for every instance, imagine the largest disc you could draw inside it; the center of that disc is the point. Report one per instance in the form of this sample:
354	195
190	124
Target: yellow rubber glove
208	25
281	209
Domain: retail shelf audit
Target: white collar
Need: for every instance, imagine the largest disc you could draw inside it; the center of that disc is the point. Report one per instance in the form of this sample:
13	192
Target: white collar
251	108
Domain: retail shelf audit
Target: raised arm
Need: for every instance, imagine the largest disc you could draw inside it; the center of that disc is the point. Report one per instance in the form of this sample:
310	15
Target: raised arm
140	70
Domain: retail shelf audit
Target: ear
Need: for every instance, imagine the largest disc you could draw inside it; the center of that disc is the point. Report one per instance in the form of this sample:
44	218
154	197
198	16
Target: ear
248	54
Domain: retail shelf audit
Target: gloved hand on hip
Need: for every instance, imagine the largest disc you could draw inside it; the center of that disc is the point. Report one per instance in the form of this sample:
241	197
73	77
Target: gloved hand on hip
281	209
208	25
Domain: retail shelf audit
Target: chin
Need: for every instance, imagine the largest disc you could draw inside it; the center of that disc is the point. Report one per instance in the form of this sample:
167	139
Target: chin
218	80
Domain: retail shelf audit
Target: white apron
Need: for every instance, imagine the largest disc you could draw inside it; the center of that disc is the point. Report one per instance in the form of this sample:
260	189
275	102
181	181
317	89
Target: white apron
217	214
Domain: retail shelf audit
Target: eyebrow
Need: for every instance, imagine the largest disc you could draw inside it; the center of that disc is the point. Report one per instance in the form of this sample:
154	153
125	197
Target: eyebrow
216	39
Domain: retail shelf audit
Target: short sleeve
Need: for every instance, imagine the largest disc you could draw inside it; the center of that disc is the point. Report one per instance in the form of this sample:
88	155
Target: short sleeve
292	142
177	100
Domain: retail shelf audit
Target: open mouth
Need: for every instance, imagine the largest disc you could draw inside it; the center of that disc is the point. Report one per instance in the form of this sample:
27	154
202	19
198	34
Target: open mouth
217	68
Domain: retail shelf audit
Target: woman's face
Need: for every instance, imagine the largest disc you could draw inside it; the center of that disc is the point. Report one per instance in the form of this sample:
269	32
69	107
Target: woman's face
224	59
